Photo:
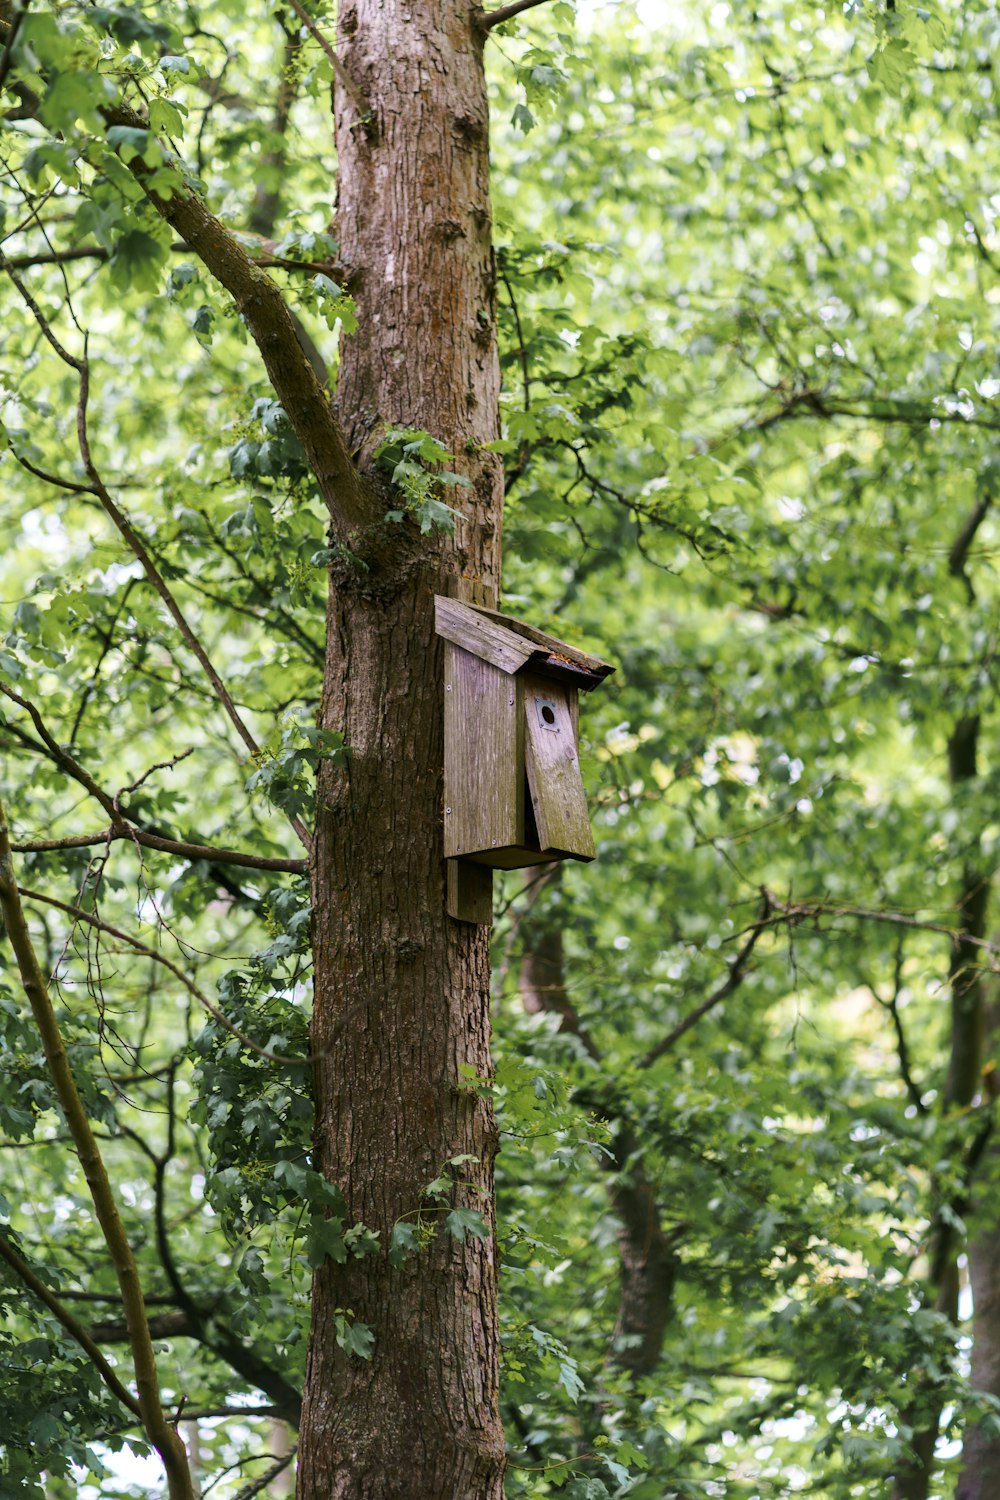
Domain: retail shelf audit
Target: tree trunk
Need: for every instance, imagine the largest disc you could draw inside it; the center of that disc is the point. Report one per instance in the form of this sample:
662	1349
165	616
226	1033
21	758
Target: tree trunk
402	990
648	1254
913	1479
981	1449
980	1478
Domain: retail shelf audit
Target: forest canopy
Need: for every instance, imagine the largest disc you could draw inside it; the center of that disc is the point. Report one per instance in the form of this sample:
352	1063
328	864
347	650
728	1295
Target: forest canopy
747	299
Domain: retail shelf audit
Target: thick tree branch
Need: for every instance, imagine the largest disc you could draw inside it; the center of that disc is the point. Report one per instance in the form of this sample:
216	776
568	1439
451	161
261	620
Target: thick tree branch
648	1255
8	47
179	847
267	198
271	326
161	1435
192	1322
487	19
207	1329
168	1325
265	256
958	556
269	320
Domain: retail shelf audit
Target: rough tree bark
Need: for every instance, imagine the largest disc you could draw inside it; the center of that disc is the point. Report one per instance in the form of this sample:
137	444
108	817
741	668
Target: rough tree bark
401	990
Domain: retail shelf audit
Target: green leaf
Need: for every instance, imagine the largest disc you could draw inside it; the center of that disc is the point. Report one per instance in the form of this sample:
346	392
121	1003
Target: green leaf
891	66
128	25
405	1241
166	116
325	1241
74	96
130	142
138	261
461	1222
99	218
354	1337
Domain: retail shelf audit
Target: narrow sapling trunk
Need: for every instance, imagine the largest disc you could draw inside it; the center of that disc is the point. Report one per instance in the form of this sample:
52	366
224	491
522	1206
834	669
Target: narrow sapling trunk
401	989
146	1404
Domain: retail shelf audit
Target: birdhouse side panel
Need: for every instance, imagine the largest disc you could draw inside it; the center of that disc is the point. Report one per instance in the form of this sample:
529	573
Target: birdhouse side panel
483	756
553	766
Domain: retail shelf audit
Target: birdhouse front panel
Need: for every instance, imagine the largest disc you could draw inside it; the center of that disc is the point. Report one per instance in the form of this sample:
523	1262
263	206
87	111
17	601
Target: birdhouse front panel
552	765
483	757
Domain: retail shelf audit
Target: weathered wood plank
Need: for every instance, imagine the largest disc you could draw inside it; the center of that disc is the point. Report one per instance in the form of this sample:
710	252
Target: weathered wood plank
509	643
553	766
483	756
470	892
466	626
549	643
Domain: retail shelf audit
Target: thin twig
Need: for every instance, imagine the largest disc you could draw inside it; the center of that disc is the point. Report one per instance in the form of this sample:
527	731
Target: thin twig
128	532
61	757
733	980
801	911
360	102
257	1486
54	479
522	351
79	915
121	827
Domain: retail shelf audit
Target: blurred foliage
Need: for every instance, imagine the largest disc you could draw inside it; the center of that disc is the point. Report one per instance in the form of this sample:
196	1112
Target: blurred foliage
748	279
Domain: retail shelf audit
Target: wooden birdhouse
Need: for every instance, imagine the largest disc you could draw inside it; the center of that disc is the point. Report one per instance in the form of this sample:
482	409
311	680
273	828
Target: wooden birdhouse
513	794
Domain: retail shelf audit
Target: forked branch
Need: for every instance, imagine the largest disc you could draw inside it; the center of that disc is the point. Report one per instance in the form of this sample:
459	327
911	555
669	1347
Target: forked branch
75	1329
272	327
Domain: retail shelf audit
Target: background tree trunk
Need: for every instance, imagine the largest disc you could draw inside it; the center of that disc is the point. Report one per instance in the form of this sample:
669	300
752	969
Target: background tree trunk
402	991
980	1478
648	1253
913	1478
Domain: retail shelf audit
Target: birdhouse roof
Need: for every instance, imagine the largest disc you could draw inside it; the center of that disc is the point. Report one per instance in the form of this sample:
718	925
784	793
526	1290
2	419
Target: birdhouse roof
514	646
